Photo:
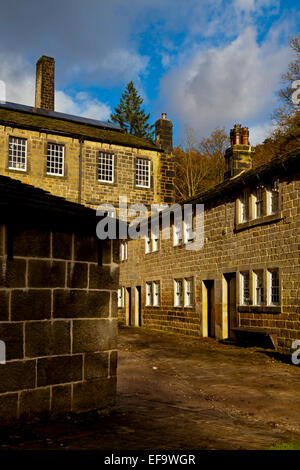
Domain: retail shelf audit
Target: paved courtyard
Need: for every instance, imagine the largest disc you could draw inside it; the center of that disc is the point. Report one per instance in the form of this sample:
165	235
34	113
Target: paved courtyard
181	393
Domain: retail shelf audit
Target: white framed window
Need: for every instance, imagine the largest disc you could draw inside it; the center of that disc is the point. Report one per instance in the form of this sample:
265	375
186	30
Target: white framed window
124	250
273	293
105	168
258	202
147	245
258	287
244	288
142	173
177	232
17	154
244	207
55	159
121	297
156	293
178	292
155	242
273	198
188	292
148	299
188	230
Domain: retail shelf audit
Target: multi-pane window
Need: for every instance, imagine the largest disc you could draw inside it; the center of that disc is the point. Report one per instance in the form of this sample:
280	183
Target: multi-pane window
177	233
178	292
147	245
273	197
156	293
121	297
258	202
123	250
55	159
245	288
188	230
142	173
148	294
258	287
188	292
17	154
244	207
105	169
273	287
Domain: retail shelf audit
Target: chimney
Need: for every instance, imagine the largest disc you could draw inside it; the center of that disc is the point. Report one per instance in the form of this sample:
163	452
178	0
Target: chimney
238	157
164	133
44	85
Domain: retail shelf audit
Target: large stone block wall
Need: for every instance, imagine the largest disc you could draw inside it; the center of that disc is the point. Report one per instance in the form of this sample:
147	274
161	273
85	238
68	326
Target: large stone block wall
91	192
226	250
58	319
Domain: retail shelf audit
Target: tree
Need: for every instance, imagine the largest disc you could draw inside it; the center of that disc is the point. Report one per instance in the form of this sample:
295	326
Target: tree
130	116
199	166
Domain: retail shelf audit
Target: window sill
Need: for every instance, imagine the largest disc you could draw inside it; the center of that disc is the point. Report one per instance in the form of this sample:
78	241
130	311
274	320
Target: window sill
259	308
267	219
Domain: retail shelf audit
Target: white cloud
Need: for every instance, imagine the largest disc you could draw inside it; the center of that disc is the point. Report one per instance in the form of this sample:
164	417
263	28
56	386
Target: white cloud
20	88
227	84
259	132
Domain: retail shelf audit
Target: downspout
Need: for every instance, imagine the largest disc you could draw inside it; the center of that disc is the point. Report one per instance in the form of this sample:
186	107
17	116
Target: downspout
81	141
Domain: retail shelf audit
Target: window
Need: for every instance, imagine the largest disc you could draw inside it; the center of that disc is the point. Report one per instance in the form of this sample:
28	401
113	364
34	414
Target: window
245	288
55	159
273	197
121	297
188	230
273	287
155	242
124	250
177	233
244	207
148	294
147	245
178	291
105	170
258	209
156	293
258	289
17	153
188	292
142	173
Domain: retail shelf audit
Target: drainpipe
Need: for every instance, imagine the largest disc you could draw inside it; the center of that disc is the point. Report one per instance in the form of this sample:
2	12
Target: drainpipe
81	141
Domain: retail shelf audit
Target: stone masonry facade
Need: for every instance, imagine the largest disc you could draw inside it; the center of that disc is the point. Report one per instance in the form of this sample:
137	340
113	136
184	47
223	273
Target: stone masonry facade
58	319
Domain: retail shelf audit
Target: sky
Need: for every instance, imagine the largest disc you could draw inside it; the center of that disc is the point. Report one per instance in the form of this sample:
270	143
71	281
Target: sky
205	63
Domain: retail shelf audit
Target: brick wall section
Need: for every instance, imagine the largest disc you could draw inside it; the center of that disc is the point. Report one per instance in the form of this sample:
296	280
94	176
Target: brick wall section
273	245
58	320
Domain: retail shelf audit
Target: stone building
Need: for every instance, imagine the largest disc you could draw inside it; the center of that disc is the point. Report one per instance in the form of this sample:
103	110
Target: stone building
83	160
58	310
244	281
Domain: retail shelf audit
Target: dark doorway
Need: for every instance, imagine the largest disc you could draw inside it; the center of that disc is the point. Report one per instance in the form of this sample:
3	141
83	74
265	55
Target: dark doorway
231	303
210	294
138	306
128	306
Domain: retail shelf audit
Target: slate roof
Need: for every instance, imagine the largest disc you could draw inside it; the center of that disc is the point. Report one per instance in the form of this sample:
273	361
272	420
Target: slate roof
51	122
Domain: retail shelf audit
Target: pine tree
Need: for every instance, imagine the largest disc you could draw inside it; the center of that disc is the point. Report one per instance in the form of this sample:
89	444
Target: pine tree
130	116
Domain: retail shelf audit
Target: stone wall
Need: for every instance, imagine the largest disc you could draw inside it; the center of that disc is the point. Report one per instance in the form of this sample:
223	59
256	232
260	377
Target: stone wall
58	320
86	189
272	243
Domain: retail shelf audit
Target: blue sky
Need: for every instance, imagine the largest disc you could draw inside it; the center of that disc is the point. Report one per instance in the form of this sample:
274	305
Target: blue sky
205	63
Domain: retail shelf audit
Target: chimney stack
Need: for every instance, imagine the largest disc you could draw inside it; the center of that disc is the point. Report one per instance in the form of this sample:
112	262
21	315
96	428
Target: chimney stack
44	85
238	157
164	133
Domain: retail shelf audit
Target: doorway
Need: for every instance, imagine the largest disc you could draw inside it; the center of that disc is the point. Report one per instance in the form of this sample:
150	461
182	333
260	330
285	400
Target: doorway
138	306
209	307
231	303
128	306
